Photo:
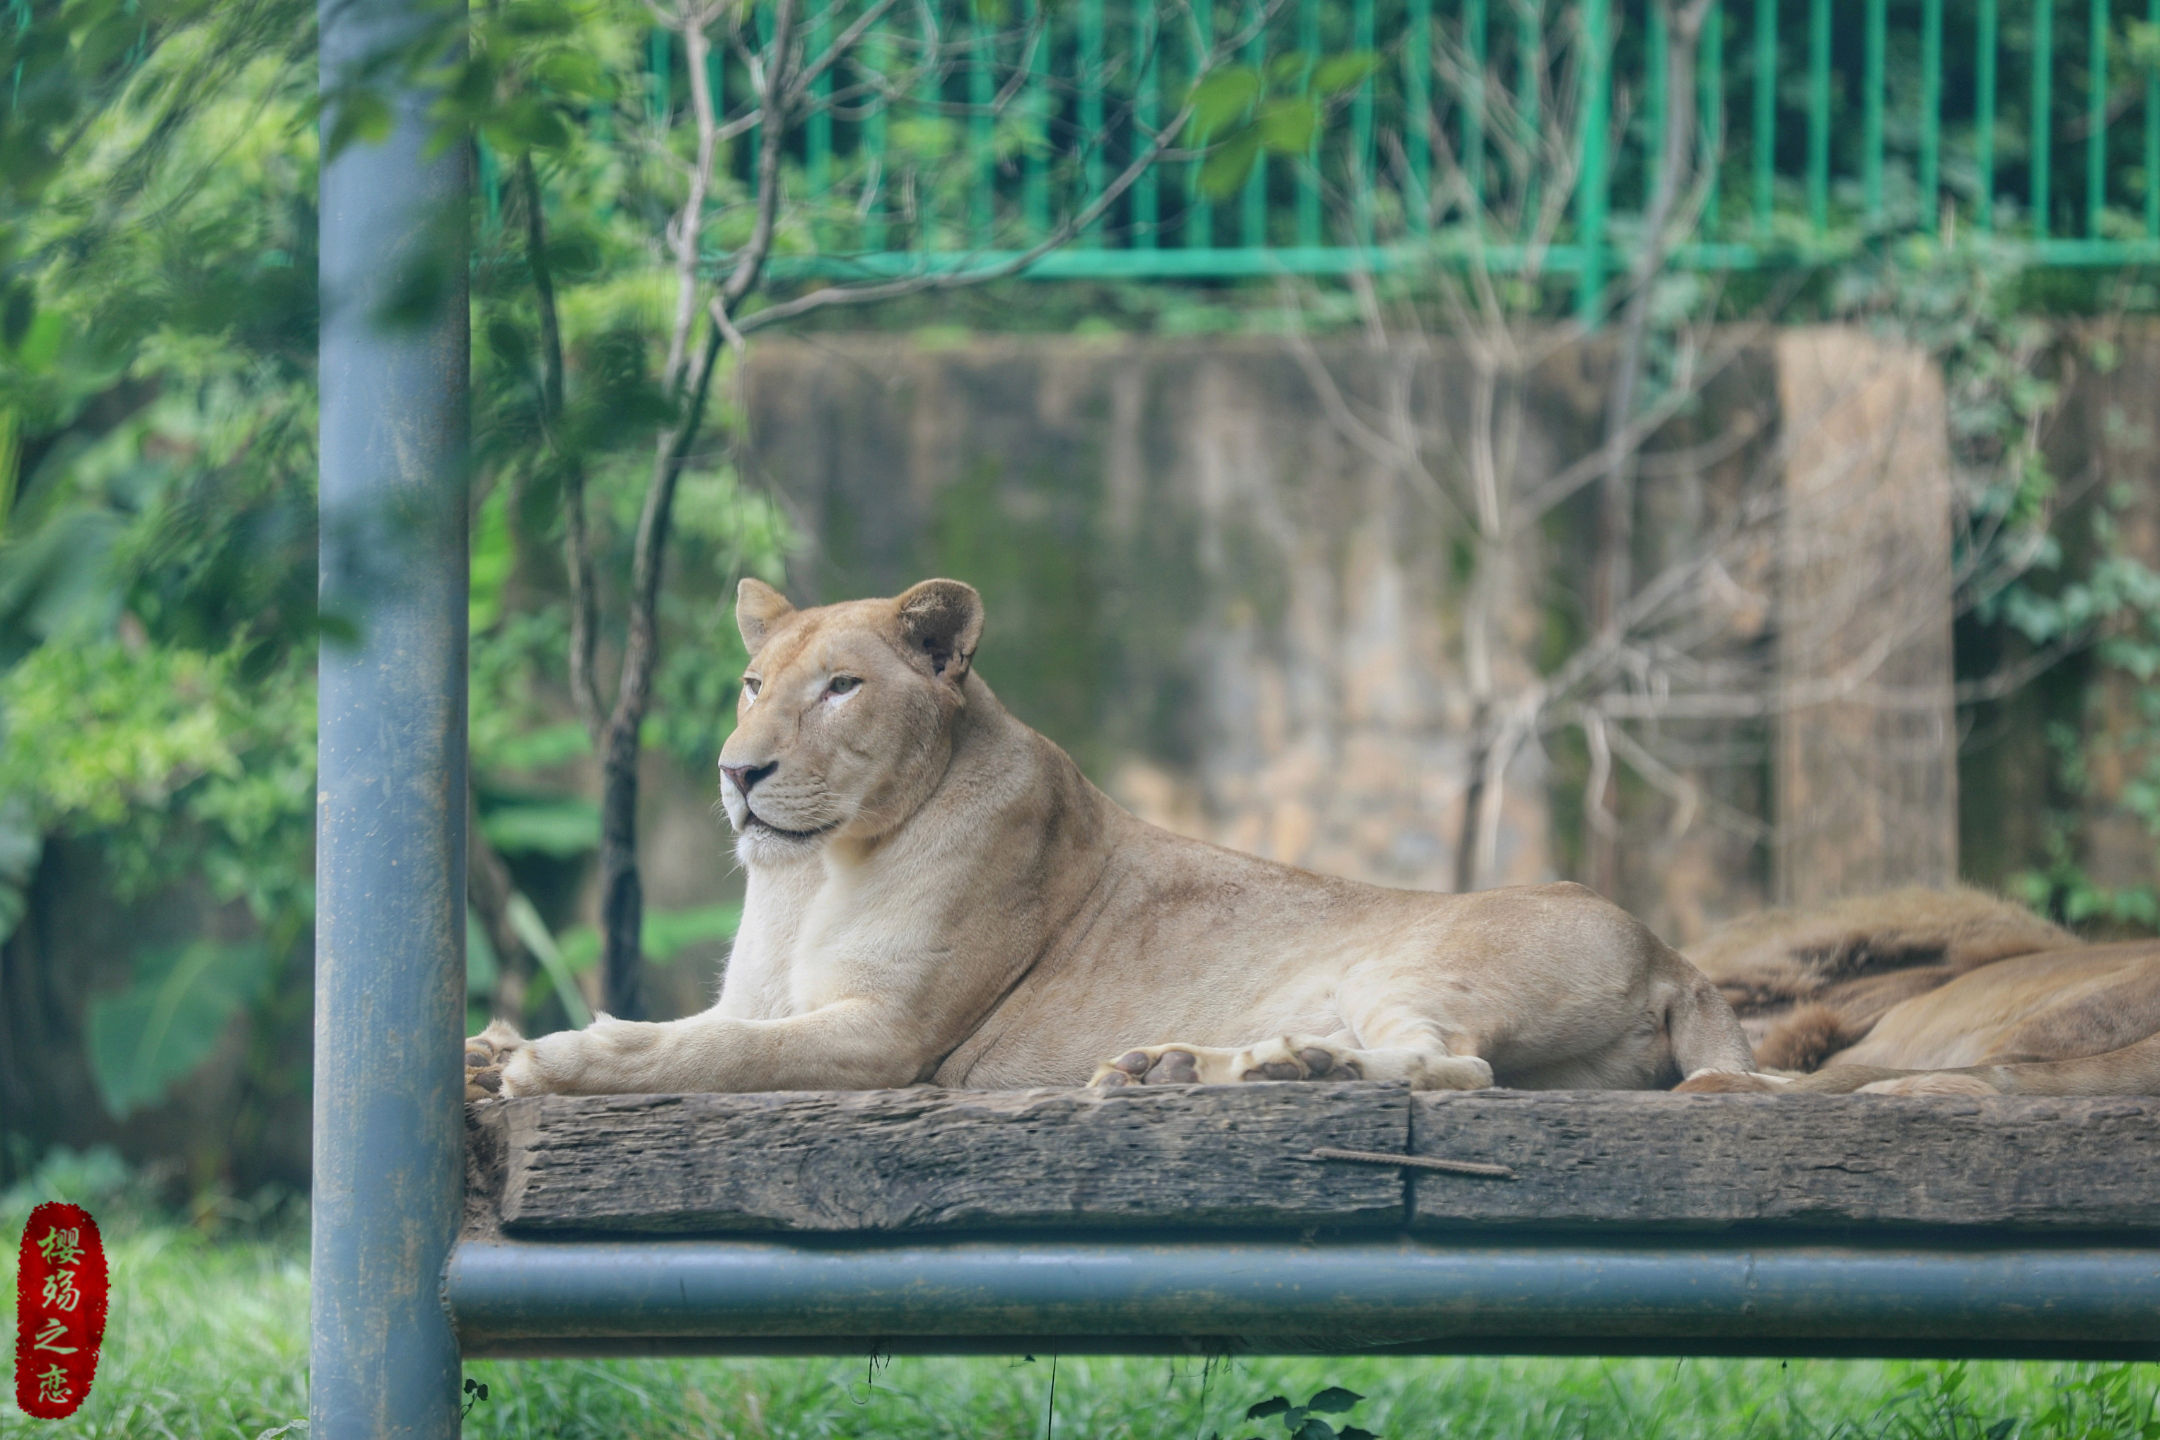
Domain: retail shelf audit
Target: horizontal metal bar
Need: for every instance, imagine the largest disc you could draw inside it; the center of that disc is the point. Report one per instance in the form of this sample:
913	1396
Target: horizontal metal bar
2093	252
1233	262
1400	1296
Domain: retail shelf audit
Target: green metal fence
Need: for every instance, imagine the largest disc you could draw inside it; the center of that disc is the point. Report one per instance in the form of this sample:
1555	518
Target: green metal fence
1828	124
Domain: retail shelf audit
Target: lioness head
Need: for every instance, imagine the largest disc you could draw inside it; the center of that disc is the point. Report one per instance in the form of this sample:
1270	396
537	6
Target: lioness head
844	724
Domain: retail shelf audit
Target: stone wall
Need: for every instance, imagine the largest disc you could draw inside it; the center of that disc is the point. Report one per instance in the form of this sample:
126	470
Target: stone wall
1248	627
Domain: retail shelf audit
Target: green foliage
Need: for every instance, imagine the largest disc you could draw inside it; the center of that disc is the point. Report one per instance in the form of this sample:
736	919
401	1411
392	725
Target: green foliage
561	827
161	1027
143	746
667	932
1242	113
1303	1422
156	528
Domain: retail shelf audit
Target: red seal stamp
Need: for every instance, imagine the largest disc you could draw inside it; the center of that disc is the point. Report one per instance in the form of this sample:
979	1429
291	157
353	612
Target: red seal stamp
60	1295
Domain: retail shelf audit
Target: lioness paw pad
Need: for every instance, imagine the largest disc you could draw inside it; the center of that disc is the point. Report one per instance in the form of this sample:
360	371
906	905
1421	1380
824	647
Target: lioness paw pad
1286	1058
1157	1065
485	1055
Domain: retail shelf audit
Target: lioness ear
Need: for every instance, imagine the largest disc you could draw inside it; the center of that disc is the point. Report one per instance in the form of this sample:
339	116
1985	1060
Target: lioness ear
758	608
943	619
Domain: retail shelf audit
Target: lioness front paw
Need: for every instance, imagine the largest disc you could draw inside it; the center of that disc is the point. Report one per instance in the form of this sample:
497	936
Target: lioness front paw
485	1055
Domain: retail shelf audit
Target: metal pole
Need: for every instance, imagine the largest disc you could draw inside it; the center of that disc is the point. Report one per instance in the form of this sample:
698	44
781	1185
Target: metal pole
1548	1294
390	841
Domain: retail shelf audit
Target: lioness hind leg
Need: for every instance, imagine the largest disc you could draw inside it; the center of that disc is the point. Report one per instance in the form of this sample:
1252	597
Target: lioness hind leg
1291	1057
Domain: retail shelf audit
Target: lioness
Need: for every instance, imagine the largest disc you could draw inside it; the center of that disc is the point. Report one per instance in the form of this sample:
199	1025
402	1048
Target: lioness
1936	992
937	894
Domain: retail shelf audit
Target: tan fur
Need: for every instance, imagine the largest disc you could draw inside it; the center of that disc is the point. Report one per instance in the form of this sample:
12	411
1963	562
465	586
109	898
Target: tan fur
937	894
1804	1039
1926	992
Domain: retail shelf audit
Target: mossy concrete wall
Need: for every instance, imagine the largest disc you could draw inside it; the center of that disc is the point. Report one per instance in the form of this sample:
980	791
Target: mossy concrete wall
1245	624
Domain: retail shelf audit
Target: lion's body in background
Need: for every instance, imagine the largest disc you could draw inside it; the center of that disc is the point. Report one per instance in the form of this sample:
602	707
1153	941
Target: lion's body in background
1921	991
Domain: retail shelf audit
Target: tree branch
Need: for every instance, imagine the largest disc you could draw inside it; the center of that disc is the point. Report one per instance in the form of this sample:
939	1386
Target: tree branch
577	543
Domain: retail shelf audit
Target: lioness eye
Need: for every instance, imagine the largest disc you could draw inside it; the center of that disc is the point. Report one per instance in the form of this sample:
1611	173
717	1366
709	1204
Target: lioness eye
751	684
842	684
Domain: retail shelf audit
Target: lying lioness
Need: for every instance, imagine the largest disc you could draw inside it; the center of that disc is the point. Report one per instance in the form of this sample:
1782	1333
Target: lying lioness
937	894
1936	992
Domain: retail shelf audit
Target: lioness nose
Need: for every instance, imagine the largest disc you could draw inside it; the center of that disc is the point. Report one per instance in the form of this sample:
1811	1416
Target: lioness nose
745	776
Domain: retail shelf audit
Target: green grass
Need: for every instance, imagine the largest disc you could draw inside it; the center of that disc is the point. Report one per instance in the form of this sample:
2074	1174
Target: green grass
210	1339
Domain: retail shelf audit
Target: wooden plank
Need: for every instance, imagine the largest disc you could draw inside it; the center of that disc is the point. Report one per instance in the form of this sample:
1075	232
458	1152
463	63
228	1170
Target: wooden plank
925	1159
1790	1161
1240	1156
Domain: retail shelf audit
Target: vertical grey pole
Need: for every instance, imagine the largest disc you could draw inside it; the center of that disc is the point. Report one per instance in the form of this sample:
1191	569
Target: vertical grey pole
390	819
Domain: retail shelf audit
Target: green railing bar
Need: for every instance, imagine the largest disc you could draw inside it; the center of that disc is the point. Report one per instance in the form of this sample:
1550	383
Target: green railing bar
1361	125
2096	90
930	90
817	132
1560	259
2152	131
1474	104
660	59
1269	215
1984	120
876	56
1200	213
2095	252
1252	217
1818	120
1710	92
715	67
1308	177
1091	107
1529	87
982	93
1765	136
1931	58
1035	175
1872	175
761	27
2043	65
1590	192
1660	83
1417	118
1146	202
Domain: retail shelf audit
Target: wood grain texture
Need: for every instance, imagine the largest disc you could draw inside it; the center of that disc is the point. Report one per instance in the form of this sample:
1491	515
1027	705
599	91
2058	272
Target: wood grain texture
924	1159
1799	1161
1240	1156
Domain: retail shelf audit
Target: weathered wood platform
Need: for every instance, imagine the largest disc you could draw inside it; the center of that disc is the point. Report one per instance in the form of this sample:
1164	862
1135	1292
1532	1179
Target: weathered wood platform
1244	1157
